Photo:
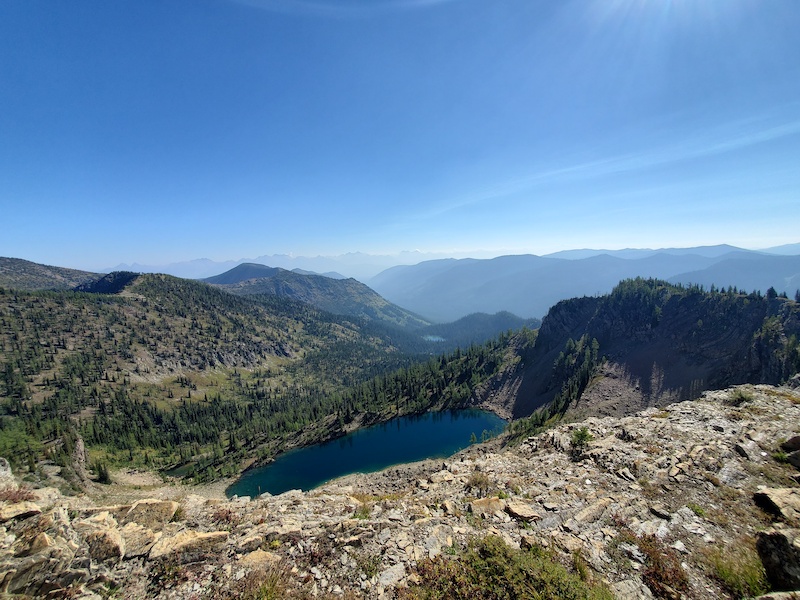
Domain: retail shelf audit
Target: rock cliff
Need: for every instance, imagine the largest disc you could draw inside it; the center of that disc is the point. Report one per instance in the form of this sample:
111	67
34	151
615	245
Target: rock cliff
685	501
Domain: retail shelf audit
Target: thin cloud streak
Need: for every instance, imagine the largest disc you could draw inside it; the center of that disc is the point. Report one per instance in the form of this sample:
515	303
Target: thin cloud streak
626	163
340	10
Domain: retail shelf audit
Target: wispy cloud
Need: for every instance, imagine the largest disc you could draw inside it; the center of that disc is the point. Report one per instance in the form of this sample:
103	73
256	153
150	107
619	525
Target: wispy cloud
341	9
729	138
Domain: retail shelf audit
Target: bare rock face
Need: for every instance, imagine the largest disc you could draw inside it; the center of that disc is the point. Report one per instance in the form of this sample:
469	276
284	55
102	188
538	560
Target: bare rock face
779	550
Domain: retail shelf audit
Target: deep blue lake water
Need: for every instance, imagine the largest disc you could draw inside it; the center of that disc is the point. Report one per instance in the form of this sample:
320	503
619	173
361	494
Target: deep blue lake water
401	440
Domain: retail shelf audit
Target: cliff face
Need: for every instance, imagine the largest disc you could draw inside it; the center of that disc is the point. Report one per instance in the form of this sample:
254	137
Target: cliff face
697	486
656	344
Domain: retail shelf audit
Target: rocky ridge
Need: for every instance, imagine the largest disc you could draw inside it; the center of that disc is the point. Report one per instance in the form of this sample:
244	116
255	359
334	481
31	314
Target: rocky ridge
700	483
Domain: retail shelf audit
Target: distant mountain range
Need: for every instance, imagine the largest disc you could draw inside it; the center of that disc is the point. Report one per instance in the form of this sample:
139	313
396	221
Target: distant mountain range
445	290
364	266
358	265
528	285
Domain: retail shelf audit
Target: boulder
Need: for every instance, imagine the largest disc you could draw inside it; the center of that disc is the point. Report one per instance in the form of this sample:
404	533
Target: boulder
592	512
106	545
152	513
522	511
779	550
393	575
138	539
781	502
486	507
792	444
450	507
794	459
18	510
259	558
187	542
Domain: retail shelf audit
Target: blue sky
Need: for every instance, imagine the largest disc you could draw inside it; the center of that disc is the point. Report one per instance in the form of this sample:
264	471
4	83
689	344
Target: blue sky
153	132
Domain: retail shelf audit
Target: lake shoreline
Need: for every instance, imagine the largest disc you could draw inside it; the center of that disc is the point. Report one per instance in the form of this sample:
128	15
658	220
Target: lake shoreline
435	434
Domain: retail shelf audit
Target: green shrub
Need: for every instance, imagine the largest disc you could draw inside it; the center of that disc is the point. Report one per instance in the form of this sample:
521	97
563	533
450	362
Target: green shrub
490	570
780	456
739	397
662	573
103	475
580	440
696	509
738	569
363	512
15	495
479	482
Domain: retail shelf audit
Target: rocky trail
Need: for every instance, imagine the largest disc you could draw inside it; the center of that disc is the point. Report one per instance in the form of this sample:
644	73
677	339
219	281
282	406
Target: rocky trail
698	486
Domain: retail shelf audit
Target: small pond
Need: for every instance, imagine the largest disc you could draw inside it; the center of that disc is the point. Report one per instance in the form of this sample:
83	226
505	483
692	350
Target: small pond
401	440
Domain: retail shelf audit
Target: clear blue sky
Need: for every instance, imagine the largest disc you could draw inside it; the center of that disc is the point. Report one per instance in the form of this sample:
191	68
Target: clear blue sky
158	131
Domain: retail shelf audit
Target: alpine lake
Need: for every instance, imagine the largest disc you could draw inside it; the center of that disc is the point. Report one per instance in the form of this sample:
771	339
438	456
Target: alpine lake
400	440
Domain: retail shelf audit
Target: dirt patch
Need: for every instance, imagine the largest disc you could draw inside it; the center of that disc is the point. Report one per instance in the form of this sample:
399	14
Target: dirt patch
129	485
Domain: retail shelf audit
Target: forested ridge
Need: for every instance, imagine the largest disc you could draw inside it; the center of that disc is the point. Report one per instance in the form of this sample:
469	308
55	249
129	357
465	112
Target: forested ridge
162	372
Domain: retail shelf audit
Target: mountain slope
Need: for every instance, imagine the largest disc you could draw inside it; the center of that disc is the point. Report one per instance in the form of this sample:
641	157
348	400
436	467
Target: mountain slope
338	296
19	274
167	370
657	501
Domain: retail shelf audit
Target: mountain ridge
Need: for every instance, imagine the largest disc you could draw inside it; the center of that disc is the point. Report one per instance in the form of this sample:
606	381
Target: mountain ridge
18	273
528	285
338	296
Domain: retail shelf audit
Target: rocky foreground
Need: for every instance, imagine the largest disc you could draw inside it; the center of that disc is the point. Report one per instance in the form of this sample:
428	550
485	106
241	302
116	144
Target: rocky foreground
708	488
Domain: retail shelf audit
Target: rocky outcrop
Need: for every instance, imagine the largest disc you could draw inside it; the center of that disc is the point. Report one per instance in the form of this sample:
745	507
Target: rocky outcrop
779	549
658	344
674	481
